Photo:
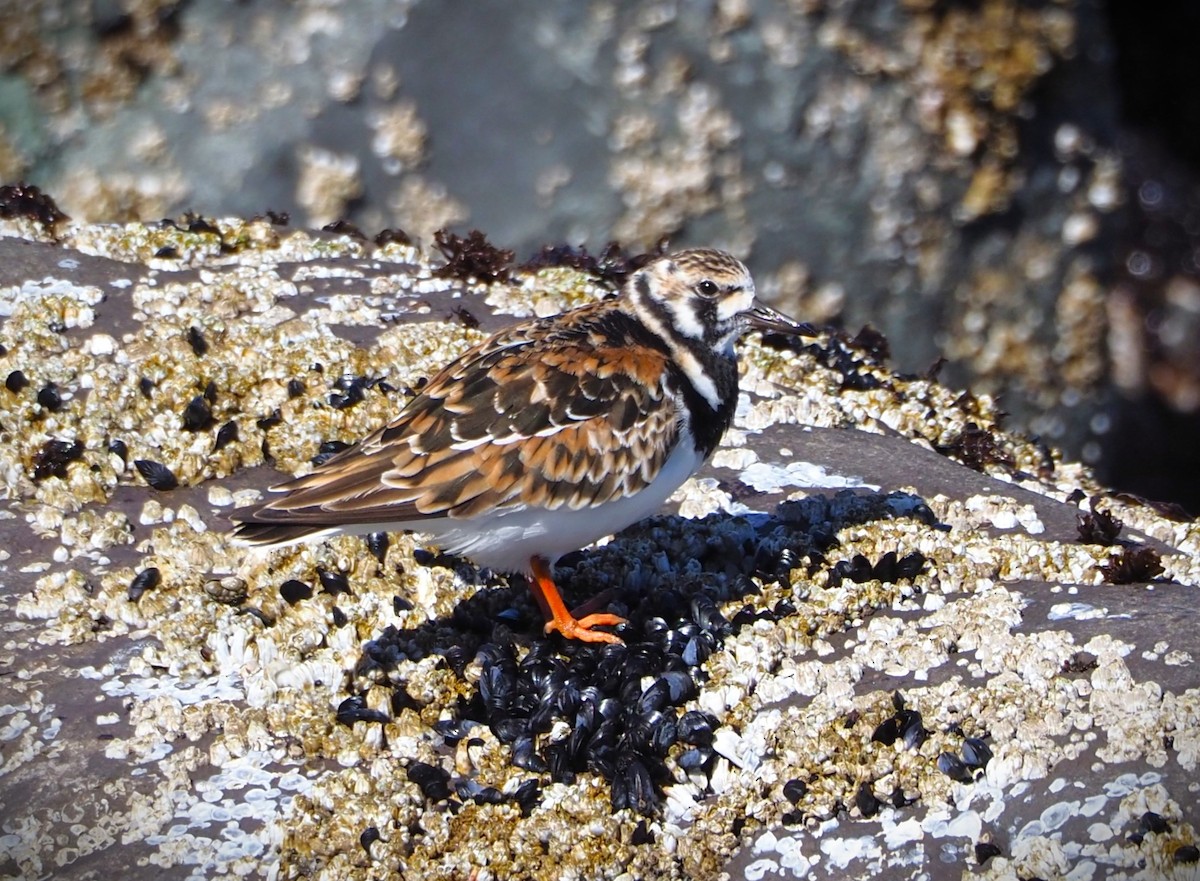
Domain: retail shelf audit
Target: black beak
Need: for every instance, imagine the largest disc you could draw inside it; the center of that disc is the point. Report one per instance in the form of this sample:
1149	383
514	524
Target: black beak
766	318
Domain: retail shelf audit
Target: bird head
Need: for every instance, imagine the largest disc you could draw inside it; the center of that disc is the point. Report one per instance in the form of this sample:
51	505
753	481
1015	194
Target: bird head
707	296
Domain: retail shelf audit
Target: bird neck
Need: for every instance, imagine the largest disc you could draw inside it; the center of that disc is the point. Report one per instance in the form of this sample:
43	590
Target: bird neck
705	377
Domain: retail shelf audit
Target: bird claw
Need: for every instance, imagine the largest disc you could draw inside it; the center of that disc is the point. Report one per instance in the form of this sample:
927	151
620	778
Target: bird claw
581	628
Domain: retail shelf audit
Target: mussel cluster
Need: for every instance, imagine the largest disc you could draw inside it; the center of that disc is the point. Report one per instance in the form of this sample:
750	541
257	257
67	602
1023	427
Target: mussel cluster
621	704
567	707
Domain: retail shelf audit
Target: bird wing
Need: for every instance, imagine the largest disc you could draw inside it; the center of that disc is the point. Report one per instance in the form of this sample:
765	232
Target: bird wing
522	419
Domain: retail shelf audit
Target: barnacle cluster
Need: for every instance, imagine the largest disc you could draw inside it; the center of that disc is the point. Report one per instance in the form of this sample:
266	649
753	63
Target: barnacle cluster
804	648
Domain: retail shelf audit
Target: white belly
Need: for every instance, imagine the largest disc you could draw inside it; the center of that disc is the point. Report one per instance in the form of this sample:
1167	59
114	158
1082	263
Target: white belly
506	541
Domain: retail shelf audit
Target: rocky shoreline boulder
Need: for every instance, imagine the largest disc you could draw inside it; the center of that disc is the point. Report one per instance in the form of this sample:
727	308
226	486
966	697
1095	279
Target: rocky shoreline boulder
877	636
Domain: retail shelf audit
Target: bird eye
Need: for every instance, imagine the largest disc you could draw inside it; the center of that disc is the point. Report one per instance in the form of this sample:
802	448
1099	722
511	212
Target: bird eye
707	288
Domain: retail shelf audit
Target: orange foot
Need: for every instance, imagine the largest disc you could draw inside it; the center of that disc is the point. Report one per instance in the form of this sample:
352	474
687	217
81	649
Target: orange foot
581	628
558	618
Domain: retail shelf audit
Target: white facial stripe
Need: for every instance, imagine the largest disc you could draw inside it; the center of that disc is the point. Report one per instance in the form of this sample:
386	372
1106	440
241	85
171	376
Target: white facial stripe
649	318
698	376
735	303
685	319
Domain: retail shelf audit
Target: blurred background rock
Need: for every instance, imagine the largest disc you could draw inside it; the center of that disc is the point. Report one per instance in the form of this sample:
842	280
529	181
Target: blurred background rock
1010	185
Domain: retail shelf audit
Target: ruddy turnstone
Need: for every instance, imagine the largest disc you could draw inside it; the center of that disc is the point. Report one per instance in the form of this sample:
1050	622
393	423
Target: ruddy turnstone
550	434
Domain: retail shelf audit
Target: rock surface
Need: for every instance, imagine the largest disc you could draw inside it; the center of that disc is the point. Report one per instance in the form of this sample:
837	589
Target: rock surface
880	641
946	172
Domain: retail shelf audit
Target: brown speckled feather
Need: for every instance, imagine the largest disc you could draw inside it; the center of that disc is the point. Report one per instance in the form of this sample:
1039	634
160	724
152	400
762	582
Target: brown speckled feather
547	413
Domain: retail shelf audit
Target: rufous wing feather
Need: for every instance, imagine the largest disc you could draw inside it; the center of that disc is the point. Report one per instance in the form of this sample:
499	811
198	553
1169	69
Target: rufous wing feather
523	418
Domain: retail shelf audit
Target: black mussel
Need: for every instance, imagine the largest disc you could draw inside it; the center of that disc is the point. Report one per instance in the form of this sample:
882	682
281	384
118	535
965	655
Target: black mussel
226	434
197	415
866	802
633	788
266	423
355	709
912	731
368	837
681	686
333	583
526	796
328	450
1156	823
885	567
655	697
54	457
984	851
195	339
542	717
148	579
377	544
695	759
16	381
1187	854
559	762
887	731
294	591
976	753
696	728
794	790
158	475
434	782
525	755
698	648
512	729
910	566
50	398
453	730
952	766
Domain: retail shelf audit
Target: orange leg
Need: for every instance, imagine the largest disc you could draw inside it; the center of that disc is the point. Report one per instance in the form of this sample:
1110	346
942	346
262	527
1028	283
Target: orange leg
557	616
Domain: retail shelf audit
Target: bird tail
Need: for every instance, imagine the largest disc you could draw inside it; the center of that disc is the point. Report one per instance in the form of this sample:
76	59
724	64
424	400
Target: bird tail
276	535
